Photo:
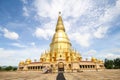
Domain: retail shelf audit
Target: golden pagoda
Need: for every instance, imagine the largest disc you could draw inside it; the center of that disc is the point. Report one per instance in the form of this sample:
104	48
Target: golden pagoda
61	56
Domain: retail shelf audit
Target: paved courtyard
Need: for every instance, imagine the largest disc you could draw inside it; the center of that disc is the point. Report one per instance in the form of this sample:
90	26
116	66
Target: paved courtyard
86	75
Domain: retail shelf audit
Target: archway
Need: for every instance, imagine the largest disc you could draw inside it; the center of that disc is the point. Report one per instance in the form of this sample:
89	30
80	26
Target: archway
60	66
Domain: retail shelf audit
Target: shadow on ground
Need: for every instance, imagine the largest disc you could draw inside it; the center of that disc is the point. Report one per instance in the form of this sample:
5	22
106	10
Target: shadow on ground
60	76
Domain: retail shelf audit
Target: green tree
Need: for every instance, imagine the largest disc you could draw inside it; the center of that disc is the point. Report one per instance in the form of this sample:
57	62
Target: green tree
117	63
9	68
14	68
108	64
0	68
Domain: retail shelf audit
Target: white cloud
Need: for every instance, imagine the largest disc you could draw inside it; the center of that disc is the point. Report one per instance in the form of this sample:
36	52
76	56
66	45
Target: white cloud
112	56
18	45
73	8
89	54
10	35
67	26
107	53
25	11
92	52
82	39
32	43
100	32
13	57
40	33
110	13
46	32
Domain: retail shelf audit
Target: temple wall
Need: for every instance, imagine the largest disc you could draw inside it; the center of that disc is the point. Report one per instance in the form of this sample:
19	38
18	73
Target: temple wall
68	66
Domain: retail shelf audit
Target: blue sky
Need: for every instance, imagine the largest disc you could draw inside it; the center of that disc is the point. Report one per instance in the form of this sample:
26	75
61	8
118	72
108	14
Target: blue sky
27	27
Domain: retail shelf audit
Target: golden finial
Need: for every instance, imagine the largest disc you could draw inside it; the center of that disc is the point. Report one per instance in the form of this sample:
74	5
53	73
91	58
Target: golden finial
59	13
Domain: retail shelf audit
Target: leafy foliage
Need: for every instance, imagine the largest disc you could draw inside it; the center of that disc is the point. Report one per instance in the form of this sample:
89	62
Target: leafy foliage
8	68
112	64
117	63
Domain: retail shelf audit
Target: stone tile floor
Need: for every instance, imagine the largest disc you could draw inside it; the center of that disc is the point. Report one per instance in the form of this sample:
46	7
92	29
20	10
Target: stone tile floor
86	75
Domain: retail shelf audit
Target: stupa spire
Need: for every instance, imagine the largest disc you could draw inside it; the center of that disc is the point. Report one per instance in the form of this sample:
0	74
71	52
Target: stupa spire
60	25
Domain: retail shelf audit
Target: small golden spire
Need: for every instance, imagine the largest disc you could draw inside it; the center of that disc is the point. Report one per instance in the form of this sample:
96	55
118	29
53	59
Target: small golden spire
60	25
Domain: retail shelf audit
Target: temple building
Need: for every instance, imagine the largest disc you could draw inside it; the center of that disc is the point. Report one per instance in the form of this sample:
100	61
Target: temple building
61	56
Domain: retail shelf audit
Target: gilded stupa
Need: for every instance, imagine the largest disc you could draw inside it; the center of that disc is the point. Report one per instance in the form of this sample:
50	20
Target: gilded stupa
61	56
